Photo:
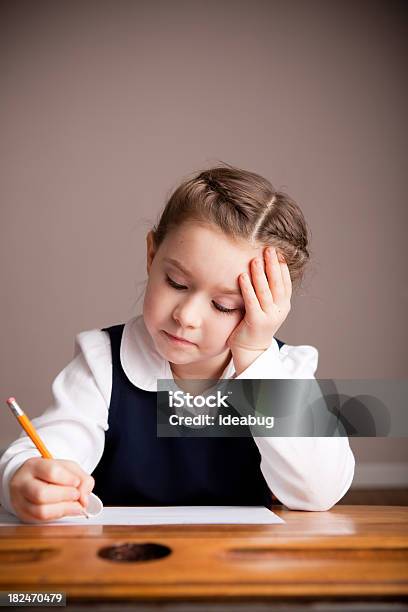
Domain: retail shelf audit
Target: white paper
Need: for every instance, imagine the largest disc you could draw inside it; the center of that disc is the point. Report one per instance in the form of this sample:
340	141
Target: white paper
165	515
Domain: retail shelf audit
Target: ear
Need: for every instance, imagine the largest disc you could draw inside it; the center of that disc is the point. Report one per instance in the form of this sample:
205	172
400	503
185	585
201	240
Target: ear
150	250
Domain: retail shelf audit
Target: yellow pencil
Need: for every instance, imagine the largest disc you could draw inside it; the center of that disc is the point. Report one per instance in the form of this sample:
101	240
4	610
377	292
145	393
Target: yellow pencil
28	427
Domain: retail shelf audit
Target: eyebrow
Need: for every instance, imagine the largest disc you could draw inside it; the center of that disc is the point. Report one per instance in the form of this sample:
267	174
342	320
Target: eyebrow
188	273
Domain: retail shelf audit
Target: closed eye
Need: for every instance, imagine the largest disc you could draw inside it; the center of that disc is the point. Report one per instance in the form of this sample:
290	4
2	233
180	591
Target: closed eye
218	307
172	283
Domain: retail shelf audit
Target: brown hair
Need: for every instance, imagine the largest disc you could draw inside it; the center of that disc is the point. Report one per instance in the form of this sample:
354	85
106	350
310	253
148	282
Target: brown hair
244	205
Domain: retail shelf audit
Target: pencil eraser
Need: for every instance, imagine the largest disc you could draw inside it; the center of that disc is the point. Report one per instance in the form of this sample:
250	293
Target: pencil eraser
11	399
95	505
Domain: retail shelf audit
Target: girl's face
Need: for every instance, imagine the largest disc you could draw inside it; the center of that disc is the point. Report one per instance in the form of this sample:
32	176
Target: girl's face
193	293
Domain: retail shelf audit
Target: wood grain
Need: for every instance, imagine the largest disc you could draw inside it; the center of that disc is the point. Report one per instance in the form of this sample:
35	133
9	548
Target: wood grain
348	551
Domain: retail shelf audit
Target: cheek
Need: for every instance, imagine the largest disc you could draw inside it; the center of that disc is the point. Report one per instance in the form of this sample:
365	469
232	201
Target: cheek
158	299
151	303
225	325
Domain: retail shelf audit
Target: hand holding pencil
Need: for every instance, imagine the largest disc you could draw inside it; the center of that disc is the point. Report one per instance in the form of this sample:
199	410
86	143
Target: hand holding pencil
44	488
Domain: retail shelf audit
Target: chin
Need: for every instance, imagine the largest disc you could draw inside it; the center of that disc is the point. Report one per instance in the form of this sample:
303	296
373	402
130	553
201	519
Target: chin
167	352
174	356
177	361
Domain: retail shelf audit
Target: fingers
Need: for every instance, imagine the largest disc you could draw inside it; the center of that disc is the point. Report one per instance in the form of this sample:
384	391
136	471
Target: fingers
271	284
249	295
37	491
287	281
261	285
65	472
48	489
87	482
274	275
55	472
48	512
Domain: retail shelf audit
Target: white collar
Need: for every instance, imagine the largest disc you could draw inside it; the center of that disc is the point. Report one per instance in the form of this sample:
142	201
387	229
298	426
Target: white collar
141	361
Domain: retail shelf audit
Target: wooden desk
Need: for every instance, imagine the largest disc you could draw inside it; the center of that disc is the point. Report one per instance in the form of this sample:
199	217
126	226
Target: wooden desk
348	553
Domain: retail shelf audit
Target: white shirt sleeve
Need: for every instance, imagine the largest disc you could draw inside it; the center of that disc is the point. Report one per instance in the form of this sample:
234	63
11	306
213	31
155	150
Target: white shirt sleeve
304	473
74	425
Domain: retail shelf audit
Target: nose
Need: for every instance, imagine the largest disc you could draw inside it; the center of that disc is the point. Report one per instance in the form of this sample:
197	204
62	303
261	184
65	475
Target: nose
187	313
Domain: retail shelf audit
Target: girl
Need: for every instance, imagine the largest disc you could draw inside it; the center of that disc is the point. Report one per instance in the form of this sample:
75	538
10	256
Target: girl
220	265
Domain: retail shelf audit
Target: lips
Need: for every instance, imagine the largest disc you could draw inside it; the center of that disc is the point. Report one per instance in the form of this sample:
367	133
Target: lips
172	336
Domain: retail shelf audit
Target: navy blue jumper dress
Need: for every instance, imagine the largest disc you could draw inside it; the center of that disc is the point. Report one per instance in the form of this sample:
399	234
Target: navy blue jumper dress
138	468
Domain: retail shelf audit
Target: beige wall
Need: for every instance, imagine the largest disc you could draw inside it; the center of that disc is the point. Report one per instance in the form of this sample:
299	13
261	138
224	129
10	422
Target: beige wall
105	106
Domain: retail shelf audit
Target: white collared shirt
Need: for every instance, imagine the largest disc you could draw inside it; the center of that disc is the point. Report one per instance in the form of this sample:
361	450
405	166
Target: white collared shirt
304	473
